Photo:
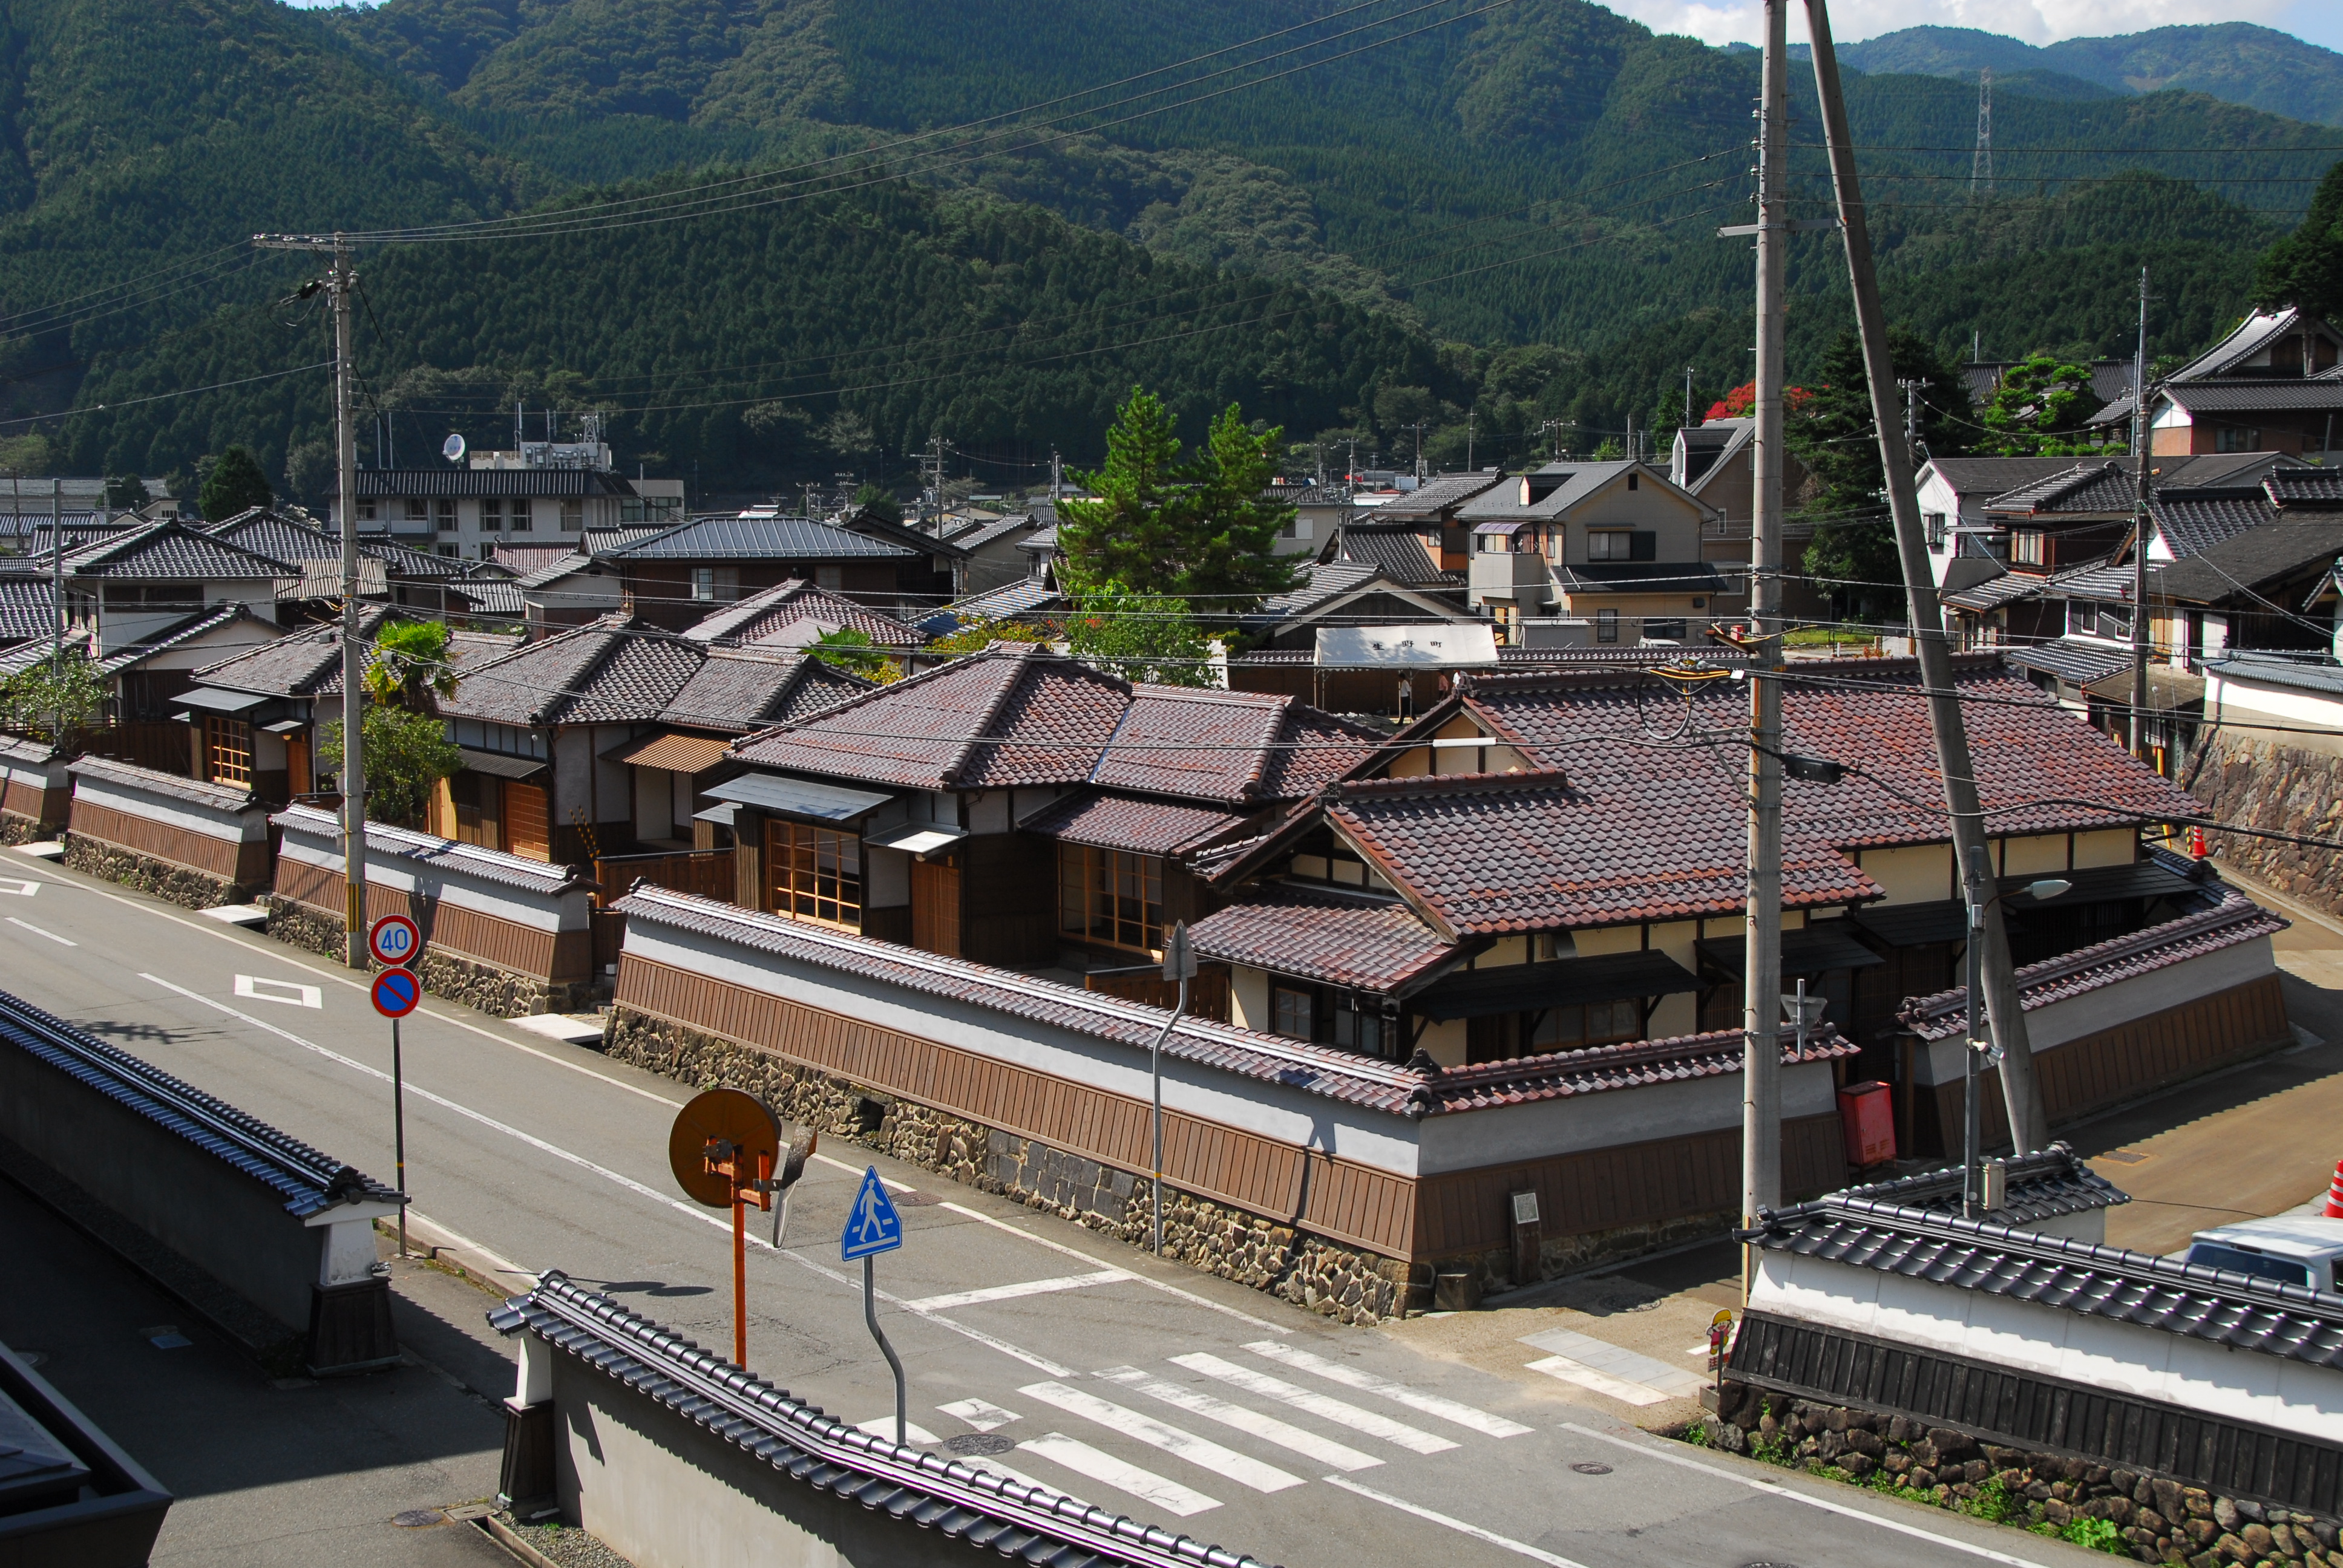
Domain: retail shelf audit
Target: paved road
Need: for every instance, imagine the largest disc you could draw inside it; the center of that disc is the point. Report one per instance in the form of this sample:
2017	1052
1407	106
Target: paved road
1147	1388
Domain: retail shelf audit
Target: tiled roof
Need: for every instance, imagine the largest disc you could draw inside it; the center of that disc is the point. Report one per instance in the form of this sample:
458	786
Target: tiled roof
1313	749
523	560
2006	588
27	607
609	671
1016	525
1488	854
1634	1065
472	859
1577	481
286	539
1641	576
305	663
1014	714
2191	524
2085	487
218	797
1441	494
2257	329
2240	1312
490	596
1982	477
776	610
959	1499
2303	674
1028	596
1370	944
1204	744
2074	659
762	538
2306	486
434	482
2043	1185
1398	553
2232	568
2232	919
740	689
180	633
173	550
2254	396
1325	582
1121	822
552	571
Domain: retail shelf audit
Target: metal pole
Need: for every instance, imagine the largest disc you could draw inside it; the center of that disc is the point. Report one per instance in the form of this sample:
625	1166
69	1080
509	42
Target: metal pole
1156	1074
1761	1077
2020	1087
1973	1070
871	1316
354	850
740	1268
2142	529
398	1128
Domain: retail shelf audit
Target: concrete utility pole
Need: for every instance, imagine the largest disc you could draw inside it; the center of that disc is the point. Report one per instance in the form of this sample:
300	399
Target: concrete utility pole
2143	530
57	611
1761	1073
340	284
2021	1090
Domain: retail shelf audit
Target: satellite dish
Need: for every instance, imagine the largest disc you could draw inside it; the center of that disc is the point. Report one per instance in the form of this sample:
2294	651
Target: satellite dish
453	450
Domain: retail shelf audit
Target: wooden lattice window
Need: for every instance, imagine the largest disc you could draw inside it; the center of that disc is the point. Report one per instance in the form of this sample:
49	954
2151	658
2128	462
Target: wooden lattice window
228	751
1112	897
814	873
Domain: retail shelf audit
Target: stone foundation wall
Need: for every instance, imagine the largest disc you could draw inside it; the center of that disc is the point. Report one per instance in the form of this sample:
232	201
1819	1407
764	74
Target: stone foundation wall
464	980
2155	1520
143	873
2257	783
1265	1254
17	828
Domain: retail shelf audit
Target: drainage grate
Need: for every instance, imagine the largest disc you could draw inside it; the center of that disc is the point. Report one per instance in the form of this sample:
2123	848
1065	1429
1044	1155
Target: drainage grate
2123	1156
979	1443
1588	1467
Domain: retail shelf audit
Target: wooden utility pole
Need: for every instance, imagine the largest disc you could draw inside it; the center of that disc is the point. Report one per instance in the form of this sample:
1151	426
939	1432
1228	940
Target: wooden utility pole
340	284
2021	1090
1761	1073
2143	530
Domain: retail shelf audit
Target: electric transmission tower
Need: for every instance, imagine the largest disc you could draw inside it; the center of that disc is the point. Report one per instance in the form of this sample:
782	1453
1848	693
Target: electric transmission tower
1981	166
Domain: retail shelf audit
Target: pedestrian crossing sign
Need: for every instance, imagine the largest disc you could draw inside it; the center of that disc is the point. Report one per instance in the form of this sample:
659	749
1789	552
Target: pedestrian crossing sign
872	1225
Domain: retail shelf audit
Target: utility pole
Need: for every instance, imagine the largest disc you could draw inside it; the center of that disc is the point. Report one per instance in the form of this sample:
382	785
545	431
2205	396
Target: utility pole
1761	1073
57	611
340	283
1688	420
2021	1090
1911	391
1057	477
1468	443
1419	451
2143	530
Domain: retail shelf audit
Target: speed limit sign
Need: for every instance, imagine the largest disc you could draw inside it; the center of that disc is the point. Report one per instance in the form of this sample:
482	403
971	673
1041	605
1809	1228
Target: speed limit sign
395	940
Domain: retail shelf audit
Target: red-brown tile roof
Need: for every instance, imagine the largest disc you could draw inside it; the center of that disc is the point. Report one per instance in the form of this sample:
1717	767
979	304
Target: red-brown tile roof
1490	853
1371	943
1119	822
776	610
1606	1066
1206	745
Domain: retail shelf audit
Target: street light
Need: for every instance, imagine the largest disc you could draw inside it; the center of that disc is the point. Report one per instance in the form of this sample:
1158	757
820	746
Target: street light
1980	1049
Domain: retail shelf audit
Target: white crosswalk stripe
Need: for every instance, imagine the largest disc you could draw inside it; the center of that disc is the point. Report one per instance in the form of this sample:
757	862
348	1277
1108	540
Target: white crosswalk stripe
1196	1401
1200	1452
1108	1470
1326	1408
979	1413
1463	1415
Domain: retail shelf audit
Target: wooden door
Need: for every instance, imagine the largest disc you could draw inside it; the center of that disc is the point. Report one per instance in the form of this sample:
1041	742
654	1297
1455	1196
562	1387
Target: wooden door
935	907
526	827
296	764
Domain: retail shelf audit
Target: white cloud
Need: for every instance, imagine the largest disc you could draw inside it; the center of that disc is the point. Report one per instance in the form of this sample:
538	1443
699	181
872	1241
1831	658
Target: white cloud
2034	21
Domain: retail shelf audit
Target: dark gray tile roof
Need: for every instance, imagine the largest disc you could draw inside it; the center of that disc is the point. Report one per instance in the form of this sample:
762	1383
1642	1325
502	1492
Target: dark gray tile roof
1323	583
2257	330
1641	576
1578	481
1398	553
2003	588
2084	488
2321	488
778	608
2304	674
2190	523
746	689
218	797
305	663
2230	569
1988	476
2251	396
611	671
174	551
302	1179
575	483
731	538
957	1498
2237	1310
490	596
2071	659
2231	919
285	539
1436	496
2045	1185
27	607
491	865
1032	596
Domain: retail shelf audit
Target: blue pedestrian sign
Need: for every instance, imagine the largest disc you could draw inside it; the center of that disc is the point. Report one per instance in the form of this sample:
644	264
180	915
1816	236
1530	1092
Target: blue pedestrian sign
872	1226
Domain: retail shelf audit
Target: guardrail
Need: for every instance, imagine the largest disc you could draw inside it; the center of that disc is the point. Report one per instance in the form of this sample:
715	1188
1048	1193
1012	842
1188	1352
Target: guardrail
286	1230
723	1433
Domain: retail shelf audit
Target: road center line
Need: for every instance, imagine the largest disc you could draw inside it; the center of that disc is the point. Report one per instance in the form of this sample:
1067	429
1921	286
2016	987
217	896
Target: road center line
1011	1292
1188	1296
1651	1451
36	930
630	1183
1459	1525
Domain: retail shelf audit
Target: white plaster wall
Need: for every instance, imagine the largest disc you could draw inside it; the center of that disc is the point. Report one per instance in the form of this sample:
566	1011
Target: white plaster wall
131	801
448	884
1605	1121
2149	1363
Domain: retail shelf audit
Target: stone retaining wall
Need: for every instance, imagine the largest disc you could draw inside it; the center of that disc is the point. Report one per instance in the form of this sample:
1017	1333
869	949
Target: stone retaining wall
172	884
2259	782
1263	1253
2156	1520
458	980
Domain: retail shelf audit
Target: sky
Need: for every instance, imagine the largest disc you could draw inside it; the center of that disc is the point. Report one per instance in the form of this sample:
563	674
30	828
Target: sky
2033	21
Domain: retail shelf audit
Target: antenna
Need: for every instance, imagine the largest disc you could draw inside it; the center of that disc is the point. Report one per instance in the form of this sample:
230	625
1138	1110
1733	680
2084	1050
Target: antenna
453	449
1981	166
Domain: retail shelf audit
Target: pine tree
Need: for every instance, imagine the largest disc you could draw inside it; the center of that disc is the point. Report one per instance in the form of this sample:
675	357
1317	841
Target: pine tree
236	483
1129	539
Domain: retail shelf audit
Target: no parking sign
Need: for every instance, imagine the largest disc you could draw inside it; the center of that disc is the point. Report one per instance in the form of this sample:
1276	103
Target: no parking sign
397	992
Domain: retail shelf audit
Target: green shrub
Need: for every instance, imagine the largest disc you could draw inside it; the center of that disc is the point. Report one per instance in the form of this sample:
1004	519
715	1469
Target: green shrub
2097	1535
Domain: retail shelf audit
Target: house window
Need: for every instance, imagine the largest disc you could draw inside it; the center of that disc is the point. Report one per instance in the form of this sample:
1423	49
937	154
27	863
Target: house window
444	512
2025	547
450	550
2236	439
523	519
703	583
573	517
1935	522
1358	1029
1622	545
228	751
1110	896
1606	626
492	514
1596	1023
2115	621
1293	1010
831	577
814	873
366	508
418	510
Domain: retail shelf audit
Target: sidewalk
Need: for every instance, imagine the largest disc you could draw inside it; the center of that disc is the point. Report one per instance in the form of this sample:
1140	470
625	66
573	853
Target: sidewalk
295	1474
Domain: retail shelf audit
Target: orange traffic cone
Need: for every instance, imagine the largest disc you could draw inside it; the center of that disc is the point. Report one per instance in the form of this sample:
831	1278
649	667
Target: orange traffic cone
2335	1194
2196	842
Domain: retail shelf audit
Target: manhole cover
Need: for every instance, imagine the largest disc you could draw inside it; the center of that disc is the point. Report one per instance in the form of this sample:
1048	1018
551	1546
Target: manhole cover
1769	1565
1588	1467
979	1443
418	1518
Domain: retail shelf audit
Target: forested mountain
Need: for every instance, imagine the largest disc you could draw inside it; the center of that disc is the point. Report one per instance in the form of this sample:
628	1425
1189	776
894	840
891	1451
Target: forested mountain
1321	227
2236	62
